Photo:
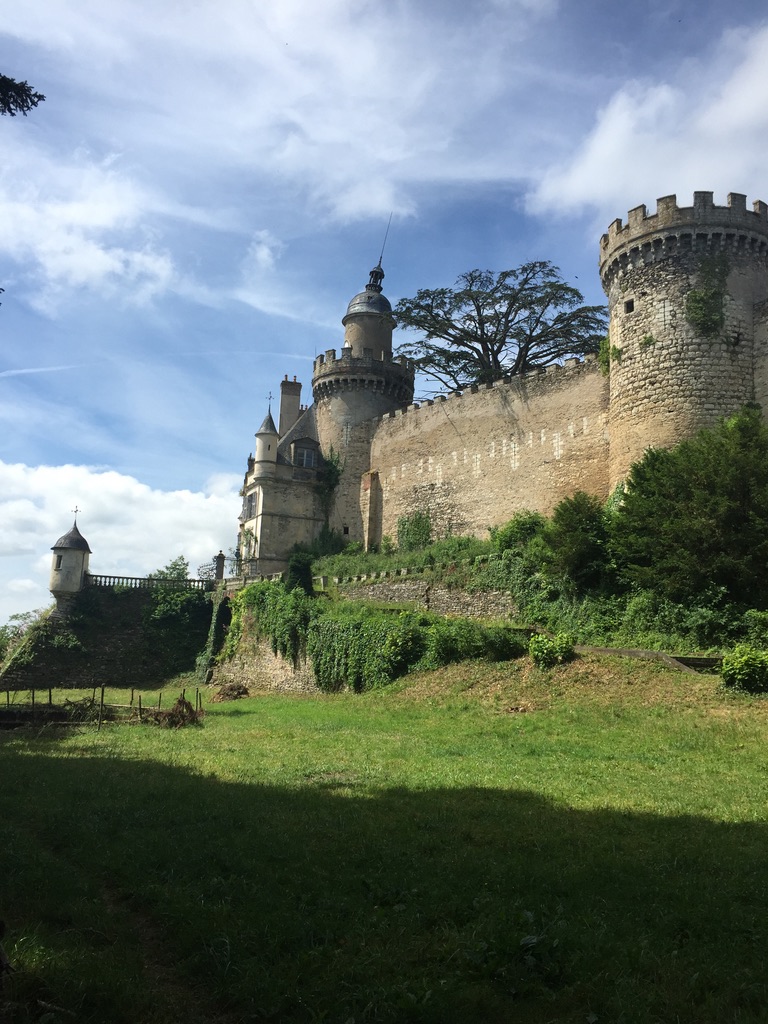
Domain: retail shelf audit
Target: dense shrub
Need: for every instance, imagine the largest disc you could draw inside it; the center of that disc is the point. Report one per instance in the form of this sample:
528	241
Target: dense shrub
299	573
521	528
362	648
746	668
450	640
577	539
696	516
547	652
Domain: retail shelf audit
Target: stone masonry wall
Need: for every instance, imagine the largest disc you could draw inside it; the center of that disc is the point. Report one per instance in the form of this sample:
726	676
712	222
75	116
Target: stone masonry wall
432	597
258	668
473	460
669	377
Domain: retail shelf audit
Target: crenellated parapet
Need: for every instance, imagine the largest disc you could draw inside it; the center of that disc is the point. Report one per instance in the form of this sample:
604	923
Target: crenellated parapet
388	376
703	229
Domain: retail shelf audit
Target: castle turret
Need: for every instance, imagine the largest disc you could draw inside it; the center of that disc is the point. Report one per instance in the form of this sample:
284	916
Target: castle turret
69	566
687	292
352	391
265	455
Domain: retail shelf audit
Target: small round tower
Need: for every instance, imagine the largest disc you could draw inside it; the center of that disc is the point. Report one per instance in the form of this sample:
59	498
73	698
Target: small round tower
687	289
350	392
69	566
265	455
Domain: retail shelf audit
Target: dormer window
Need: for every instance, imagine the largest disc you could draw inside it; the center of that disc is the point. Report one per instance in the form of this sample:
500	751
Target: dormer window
306	458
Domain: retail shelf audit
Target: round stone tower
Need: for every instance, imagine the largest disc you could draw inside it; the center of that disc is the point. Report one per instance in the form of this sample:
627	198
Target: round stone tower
68	568
687	290
265	455
355	389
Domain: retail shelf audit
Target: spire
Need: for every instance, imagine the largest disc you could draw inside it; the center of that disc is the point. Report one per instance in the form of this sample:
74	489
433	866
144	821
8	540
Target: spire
377	276
268	426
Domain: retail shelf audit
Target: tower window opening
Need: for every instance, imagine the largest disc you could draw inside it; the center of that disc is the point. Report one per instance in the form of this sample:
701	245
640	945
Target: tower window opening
345	530
629	306
58	561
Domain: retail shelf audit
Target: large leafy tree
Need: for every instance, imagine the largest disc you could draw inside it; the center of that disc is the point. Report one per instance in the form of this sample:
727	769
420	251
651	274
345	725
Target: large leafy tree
695	518
490	326
17	97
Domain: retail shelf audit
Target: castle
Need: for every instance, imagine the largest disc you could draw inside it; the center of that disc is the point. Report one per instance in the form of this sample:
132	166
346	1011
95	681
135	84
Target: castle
687	294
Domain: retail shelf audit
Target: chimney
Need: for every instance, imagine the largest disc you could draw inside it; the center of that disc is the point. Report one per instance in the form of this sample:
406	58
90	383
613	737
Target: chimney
290	397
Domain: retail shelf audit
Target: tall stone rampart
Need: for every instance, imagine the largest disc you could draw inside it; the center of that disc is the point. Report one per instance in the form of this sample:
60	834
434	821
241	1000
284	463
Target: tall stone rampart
687	289
472	460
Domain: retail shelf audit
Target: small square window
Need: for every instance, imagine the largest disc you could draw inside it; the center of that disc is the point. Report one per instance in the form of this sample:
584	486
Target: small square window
629	306
346	531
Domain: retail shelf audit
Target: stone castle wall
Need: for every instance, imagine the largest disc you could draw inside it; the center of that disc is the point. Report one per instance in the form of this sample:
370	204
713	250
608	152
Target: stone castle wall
471	461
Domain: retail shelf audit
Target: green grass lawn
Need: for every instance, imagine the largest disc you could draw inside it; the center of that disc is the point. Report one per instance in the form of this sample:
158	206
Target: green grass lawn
484	843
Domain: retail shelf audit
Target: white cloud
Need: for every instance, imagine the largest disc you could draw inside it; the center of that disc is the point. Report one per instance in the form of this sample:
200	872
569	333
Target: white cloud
68	220
132	529
707	129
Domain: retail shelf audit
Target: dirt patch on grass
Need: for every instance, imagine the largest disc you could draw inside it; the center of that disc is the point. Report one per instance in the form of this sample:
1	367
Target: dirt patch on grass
589	679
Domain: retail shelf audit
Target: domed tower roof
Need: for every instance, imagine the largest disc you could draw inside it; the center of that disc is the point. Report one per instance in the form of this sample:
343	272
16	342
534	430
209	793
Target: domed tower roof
73	541
371	300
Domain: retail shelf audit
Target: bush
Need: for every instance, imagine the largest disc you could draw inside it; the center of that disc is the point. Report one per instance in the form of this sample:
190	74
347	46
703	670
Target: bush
746	668
414	532
299	575
521	528
547	652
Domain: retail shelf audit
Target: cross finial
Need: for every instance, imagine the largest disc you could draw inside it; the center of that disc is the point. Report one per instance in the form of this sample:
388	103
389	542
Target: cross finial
76	510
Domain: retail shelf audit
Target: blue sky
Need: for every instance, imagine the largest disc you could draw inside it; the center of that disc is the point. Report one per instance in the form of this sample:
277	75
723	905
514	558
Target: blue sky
185	218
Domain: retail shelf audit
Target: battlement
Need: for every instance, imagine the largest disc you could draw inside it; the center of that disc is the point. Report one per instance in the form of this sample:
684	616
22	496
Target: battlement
328	363
543	377
390	374
703	226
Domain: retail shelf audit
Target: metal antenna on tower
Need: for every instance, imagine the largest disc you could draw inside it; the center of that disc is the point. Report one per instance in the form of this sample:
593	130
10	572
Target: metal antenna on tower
386	233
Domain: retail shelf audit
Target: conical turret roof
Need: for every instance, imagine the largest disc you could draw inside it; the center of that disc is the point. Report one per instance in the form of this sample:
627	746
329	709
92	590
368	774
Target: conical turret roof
268	426
73	541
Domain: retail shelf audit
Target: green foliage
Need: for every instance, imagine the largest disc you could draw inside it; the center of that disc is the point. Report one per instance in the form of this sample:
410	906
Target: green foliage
604	355
492	325
451	640
176	622
176	569
361	648
647	341
414	532
300	572
519	531
746	668
577	539
696	517
327	483
547	652
17	97
13	632
281	616
704	306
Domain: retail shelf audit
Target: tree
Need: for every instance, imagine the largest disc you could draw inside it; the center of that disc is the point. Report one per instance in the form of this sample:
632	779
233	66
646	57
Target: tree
694	519
488	327
577	539
177	569
17	97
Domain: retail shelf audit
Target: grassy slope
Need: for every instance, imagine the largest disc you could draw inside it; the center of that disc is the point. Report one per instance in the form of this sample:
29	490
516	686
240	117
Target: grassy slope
485	843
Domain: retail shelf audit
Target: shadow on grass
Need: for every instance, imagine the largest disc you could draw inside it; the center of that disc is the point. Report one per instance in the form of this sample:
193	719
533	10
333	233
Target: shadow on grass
138	892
